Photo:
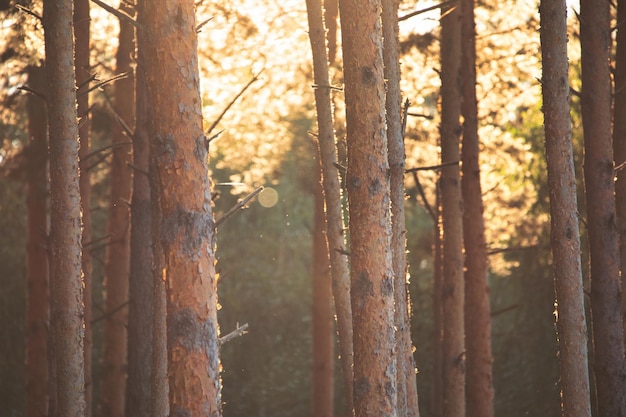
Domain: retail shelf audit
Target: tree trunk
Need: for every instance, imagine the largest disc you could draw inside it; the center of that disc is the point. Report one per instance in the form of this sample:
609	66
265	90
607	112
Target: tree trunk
451	215
332	194
140	288
182	195
83	72
331	11
437	396
407	383
372	289
479	386
619	143
565	241
606	305
118	229
66	312
37	305
323	329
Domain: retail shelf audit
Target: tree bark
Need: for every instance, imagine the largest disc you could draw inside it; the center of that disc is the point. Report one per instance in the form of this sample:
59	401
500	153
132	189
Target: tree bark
117	267
407	383
182	196
38	302
372	287
437	395
332	197
140	288
564	236
452	215
606	305
323	329
66	312
479	377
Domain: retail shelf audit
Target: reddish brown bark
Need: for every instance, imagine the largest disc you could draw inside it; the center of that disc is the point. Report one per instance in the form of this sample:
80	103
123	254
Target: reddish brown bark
451	215
367	182
118	229
479	386
37	296
332	197
182	200
323	316
66	295
564	236
606	305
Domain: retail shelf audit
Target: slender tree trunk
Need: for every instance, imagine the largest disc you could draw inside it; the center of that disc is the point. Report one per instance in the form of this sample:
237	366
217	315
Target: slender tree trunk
452	214
332	194
182	195
66	312
323	329
83	72
479	385
331	12
437	395
140	289
372	289
407	383
117	268
38	307
619	143
606	305
564	236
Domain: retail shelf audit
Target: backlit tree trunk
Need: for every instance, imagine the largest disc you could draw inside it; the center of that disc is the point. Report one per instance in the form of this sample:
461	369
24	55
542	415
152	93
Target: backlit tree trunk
66	295
140	288
407	383
479	386
437	394
182	196
606	304
118	229
564	236
37	305
332	195
367	181
453	364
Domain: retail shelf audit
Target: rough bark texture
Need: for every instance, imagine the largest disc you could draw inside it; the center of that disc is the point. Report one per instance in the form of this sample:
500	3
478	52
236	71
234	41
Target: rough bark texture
619	142
367	182
606	305
407	382
564	237
323	316
140	288
37	299
66	312
332	194
83	69
117	267
452	214
479	377
182	196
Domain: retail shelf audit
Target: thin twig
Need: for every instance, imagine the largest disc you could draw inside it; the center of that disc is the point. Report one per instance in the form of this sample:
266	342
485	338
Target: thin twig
110	313
405	114
241	204
201	24
422	194
219	118
104	148
239	331
28	11
117	13
427	9
33	92
510	249
432	167
209	140
103	83
137	169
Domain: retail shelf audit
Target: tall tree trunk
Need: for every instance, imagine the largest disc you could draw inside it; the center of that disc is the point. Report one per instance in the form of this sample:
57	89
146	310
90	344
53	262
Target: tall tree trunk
479	386
407	383
564	236
452	215
331	12
38	307
66	312
606	305
619	143
323	328
182	195
332	195
140	288
367	180
118	229
437	395
83	69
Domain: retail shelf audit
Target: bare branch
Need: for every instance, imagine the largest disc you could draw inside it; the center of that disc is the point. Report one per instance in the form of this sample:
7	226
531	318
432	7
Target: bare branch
117	13
241	204
239	331
28	11
427	9
432	167
105	82
201	24
422	194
